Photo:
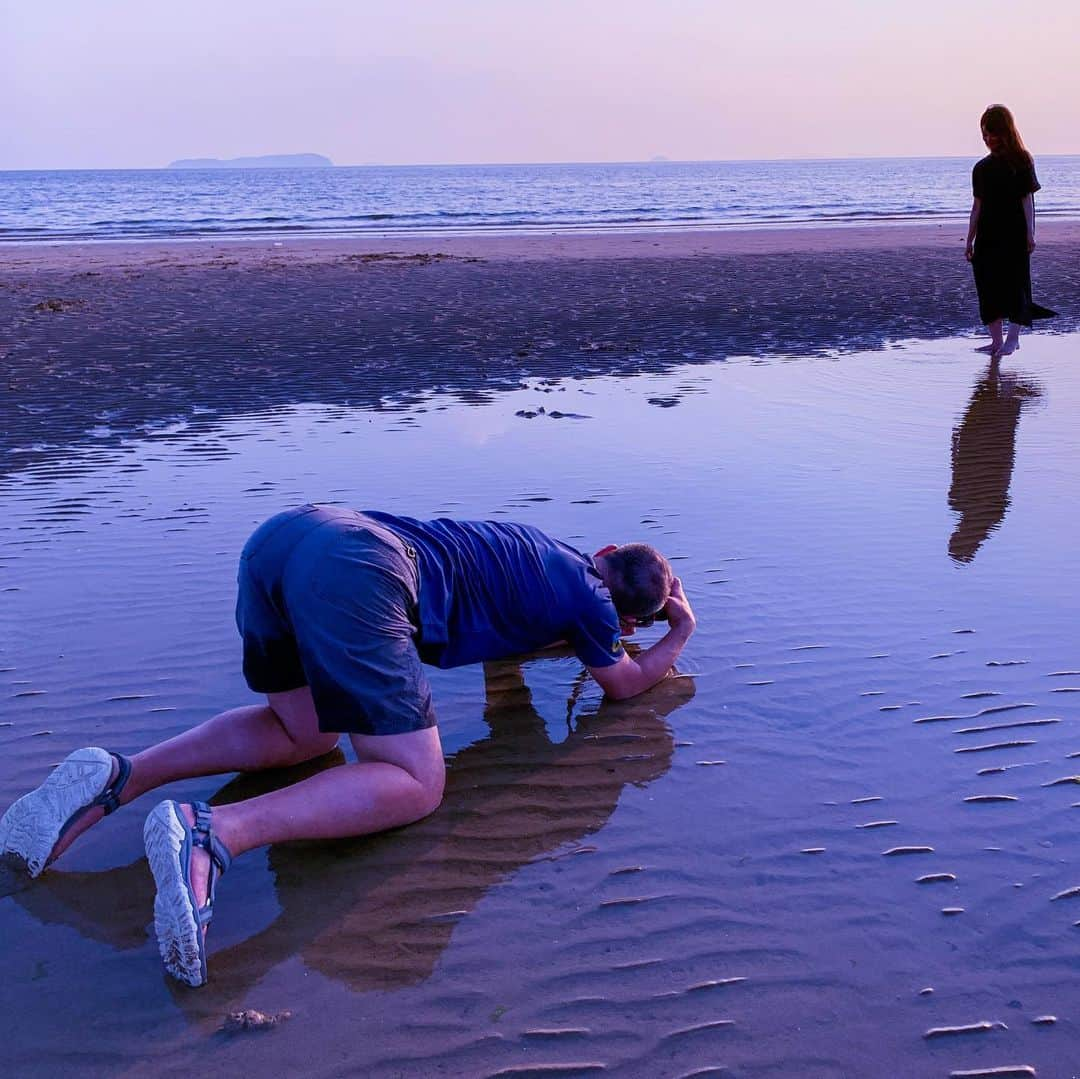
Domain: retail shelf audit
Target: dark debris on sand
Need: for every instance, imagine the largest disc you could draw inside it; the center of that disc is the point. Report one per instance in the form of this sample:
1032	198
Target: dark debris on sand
125	348
250	1019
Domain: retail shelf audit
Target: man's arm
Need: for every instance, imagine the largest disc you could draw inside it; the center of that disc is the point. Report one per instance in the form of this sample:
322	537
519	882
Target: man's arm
629	677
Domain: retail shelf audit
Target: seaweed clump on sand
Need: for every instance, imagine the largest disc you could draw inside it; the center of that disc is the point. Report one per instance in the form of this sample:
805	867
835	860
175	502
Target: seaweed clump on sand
250	1019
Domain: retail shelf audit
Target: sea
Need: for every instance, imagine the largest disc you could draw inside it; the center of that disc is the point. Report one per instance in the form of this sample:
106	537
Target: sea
164	204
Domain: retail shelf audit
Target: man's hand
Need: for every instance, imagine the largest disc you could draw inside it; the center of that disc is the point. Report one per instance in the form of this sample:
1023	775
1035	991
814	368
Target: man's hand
629	677
969	251
680	615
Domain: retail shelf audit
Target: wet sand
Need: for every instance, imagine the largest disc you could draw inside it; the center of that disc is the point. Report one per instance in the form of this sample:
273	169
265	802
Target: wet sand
520	246
842	845
109	338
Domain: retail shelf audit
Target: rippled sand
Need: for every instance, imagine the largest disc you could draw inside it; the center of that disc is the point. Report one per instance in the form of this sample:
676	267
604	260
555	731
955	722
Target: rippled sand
843	846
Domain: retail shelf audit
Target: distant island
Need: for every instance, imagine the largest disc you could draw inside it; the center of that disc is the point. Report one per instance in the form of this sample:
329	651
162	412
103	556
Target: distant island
269	161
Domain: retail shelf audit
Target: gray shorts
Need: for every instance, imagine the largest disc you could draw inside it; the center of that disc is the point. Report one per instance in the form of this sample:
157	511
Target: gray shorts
327	598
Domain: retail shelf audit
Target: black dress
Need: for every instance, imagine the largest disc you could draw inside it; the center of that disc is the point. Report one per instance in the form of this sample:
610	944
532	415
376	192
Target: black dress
1001	261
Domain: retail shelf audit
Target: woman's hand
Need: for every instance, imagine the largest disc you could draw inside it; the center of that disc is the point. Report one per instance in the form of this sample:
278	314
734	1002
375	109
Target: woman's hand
969	252
1031	244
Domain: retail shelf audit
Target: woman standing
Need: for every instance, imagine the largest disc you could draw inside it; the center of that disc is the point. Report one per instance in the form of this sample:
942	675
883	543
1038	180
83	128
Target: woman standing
1001	232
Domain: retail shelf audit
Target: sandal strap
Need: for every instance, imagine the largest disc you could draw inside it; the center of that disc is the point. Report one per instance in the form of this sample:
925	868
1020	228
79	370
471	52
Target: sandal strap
202	813
202	835
219	854
109	798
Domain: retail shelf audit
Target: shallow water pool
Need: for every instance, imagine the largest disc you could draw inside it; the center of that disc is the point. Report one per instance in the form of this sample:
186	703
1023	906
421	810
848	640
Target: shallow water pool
718	878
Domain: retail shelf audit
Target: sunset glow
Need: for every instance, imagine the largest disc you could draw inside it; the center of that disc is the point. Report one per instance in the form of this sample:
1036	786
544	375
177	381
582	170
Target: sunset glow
126	84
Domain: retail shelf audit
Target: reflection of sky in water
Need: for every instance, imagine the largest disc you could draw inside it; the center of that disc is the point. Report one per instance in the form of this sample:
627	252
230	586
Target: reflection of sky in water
806	505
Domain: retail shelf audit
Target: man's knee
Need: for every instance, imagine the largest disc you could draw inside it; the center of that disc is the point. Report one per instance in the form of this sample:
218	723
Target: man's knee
306	745
316	746
419	755
295	712
430	793
428	781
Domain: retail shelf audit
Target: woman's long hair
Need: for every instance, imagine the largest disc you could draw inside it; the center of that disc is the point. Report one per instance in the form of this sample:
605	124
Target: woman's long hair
997	120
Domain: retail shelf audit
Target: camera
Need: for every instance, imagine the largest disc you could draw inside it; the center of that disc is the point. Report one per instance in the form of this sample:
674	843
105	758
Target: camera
644	623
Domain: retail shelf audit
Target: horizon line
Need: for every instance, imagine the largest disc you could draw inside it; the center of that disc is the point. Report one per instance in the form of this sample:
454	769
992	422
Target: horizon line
513	164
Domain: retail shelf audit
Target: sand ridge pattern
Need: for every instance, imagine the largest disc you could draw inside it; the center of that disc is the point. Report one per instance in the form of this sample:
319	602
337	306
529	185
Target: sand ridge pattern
654	889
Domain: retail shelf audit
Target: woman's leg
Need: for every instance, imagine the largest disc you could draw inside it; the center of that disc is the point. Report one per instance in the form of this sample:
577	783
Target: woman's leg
996	338
1012	341
283	732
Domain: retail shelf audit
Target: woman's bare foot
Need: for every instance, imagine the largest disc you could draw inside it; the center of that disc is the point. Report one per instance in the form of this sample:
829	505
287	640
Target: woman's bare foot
1011	345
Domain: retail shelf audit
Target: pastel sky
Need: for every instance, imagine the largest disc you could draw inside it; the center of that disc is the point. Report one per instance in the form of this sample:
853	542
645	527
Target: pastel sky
136	83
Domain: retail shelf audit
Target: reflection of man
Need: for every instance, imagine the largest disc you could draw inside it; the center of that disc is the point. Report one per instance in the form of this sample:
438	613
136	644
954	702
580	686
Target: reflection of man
387	905
983	452
387	912
338	610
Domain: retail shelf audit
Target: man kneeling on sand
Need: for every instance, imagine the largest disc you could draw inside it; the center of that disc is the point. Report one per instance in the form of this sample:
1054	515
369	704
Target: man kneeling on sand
338	611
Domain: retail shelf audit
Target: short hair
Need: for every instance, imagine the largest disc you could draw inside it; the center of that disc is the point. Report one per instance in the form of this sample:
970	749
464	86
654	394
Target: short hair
639	579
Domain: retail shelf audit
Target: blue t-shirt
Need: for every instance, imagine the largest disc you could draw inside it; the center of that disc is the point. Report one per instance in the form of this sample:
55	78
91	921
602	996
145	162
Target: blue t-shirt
490	589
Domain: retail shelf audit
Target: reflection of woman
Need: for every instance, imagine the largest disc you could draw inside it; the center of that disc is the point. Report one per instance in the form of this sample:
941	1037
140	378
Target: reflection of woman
1001	232
983	452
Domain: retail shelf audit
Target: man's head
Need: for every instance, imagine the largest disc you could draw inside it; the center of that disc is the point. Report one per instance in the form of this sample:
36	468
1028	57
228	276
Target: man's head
638	577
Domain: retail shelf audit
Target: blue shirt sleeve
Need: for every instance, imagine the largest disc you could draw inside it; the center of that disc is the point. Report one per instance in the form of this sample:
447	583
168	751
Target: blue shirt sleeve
596	636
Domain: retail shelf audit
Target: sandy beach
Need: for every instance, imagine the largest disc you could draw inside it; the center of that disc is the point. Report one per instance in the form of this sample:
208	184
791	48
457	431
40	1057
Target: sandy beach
114	336
841	844
521	245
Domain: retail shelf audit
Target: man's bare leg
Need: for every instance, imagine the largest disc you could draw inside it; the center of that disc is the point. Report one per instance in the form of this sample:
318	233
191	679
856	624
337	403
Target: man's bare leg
283	732
399	779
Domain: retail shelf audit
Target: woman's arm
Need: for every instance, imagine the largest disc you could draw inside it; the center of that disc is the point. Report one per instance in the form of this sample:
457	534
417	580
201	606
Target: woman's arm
1029	217
973	224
